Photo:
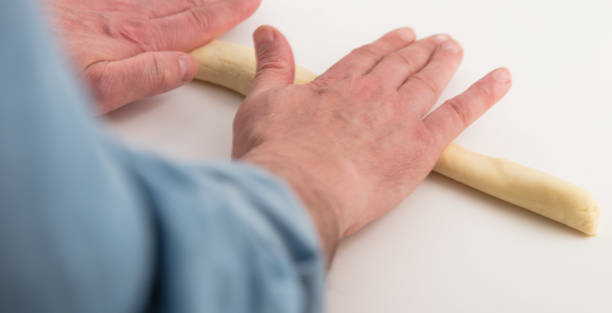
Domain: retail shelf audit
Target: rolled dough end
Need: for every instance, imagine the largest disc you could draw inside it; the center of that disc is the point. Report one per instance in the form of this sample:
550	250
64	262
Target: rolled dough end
588	219
525	187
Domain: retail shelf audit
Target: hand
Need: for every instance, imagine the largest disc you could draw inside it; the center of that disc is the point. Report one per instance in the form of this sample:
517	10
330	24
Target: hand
130	49
357	140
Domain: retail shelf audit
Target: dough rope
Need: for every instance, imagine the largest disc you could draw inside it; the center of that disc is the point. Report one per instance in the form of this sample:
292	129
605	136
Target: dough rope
233	66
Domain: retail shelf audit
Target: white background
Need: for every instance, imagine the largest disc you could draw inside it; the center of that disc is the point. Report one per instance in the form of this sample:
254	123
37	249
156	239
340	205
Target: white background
449	248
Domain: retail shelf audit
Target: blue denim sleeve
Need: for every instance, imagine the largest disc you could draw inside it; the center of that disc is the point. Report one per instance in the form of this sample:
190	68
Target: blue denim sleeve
87	225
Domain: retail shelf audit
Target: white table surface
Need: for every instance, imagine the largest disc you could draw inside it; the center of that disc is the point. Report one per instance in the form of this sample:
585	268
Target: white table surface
449	248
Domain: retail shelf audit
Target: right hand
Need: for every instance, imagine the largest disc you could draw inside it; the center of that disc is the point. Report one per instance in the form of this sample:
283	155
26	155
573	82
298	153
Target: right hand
131	49
357	140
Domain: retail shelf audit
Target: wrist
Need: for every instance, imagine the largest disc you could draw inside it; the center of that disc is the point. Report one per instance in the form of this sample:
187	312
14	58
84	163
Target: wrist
319	182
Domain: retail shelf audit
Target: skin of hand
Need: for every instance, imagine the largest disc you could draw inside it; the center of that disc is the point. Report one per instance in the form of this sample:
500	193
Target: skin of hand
357	140
132	49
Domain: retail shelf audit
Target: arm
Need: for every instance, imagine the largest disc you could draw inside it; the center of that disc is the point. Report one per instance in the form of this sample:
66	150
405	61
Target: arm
88	226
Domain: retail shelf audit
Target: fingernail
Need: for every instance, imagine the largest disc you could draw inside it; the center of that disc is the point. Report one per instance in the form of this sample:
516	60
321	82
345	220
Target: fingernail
263	38
183	67
451	46
501	75
441	38
406	34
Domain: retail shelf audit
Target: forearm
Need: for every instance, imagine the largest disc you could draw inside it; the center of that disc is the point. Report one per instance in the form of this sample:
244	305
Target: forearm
87	225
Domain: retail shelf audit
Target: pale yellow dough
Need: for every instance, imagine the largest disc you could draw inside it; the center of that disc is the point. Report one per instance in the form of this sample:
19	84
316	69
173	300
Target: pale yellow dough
233	66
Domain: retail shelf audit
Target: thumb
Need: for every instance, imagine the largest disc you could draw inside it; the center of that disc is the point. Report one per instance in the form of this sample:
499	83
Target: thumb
116	83
275	65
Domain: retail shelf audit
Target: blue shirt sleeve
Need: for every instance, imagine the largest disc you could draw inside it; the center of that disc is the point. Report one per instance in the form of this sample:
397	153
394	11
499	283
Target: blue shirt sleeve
87	225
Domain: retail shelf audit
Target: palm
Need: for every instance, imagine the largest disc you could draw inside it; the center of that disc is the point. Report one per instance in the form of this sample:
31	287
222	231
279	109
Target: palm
96	31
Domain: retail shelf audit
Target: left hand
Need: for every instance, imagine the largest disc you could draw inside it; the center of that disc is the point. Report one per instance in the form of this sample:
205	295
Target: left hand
131	49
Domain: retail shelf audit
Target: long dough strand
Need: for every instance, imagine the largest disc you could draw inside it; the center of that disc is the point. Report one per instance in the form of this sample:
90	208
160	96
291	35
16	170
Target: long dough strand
233	66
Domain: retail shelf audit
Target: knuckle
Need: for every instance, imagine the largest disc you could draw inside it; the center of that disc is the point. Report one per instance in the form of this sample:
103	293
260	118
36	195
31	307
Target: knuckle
158	73
485	93
271	65
426	85
459	111
404	58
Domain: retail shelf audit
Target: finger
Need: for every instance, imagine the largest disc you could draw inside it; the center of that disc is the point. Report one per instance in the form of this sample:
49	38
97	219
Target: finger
452	117
199	24
275	65
396	67
362	59
117	83
423	88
